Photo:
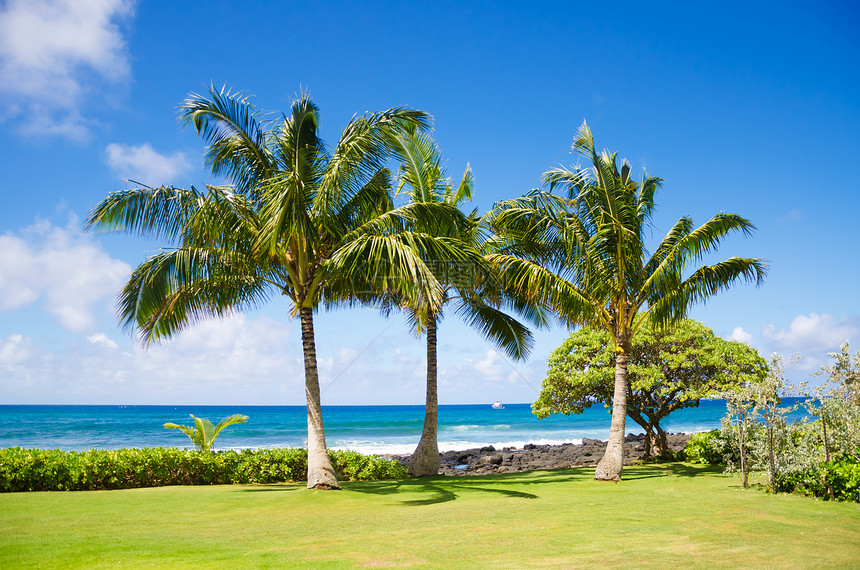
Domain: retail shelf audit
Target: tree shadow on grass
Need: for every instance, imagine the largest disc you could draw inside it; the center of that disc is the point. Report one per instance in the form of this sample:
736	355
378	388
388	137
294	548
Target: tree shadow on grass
647	471
694	469
265	488
443	489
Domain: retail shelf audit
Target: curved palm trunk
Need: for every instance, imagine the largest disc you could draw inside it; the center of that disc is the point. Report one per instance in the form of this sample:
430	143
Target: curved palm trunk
609	468
425	460
321	474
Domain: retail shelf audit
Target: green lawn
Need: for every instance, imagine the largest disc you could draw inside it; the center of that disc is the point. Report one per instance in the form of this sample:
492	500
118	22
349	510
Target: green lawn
659	516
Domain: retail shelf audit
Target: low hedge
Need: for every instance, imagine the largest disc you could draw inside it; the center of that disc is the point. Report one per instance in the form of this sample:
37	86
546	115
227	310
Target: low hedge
96	469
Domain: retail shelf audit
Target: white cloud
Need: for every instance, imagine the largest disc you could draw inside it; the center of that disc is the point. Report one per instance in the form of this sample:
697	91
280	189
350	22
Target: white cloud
232	360
50	50
102	339
491	365
69	273
740	335
144	164
257	360
15	350
812	333
490	378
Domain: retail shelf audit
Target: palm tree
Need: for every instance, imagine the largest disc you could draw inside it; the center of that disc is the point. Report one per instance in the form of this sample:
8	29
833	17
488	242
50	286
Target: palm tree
203	432
299	220
469	287
585	256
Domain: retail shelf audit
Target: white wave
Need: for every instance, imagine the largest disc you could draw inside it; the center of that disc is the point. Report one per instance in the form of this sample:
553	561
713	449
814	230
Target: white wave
473	427
377	448
466	427
519	444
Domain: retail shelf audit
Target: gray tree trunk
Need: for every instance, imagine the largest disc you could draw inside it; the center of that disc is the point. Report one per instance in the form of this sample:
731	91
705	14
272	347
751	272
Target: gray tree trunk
425	460
660	447
609	468
321	474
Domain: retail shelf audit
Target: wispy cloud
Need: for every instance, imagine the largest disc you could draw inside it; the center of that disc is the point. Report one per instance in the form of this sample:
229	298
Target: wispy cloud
232	360
812	332
69	274
15	349
812	336
54	53
144	164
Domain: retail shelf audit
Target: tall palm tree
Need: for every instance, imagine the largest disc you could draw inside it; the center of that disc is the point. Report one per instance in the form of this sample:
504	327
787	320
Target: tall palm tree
585	256
299	221
470	287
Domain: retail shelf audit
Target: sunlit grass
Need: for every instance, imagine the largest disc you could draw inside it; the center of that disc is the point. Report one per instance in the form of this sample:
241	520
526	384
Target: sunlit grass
661	515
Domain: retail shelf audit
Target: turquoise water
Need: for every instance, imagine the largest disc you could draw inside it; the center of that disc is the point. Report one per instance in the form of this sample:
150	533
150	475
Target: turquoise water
369	429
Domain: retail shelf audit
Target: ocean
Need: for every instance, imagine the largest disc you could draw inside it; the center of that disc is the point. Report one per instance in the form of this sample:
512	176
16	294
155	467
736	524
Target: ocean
367	429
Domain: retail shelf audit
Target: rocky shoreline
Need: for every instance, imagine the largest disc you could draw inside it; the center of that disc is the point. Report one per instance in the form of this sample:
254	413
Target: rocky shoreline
489	460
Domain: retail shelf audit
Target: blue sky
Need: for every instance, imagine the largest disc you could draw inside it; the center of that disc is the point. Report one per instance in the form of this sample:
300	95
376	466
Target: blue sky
749	108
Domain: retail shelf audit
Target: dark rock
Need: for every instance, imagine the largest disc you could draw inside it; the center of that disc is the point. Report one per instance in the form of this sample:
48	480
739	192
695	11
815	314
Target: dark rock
487	460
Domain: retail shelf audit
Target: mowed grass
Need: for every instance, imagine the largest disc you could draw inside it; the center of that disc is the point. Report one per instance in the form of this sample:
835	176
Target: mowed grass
673	515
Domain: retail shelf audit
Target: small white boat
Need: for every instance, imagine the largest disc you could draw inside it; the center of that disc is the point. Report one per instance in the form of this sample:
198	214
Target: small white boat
498	405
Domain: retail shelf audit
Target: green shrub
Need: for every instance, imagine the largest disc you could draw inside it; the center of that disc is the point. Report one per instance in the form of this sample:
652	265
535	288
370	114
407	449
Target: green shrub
55	470
837	479
354	466
843	476
706	447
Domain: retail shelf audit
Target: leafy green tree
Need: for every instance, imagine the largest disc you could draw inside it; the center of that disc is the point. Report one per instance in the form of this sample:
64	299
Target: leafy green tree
299	220
837	402
468	287
585	257
203	432
668	369
817	455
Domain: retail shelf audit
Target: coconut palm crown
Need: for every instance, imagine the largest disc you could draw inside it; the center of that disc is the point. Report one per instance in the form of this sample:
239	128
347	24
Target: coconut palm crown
584	255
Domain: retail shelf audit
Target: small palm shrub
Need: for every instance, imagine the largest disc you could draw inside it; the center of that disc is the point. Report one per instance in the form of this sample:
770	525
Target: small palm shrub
203	432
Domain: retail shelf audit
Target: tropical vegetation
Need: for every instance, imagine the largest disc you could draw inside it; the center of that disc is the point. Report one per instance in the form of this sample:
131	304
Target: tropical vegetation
585	256
203	432
668	369
299	220
102	469
819	455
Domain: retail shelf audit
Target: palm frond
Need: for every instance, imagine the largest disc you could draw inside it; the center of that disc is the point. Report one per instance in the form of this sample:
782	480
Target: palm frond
238	143
702	284
504	331
359	154
160	212
174	289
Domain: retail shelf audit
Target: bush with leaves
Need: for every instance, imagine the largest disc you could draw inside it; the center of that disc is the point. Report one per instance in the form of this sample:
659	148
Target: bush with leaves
668	369
55	470
706	448
816	456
